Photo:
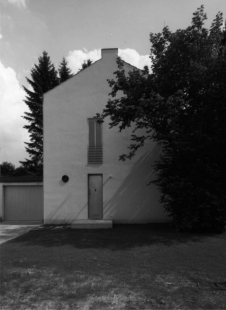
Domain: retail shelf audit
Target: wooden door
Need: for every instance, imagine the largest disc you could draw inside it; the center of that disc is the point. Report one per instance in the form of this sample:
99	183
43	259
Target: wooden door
95	199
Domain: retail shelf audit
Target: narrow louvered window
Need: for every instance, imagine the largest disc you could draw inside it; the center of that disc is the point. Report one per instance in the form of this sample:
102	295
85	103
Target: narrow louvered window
95	149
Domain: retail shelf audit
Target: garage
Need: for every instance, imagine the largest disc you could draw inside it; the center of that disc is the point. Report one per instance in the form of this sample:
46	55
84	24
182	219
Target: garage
21	199
23	203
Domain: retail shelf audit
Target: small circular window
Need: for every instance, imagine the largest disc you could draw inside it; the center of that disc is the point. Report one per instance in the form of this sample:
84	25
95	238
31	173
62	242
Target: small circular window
65	178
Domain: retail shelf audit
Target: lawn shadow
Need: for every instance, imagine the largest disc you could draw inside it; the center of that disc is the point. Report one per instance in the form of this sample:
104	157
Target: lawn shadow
121	237
8	232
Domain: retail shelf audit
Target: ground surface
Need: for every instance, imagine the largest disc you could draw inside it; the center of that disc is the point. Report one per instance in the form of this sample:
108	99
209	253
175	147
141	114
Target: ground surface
11	231
128	267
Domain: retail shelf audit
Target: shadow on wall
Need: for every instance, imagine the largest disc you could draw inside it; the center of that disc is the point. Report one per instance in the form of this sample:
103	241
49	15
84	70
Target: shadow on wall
60	214
135	200
53	215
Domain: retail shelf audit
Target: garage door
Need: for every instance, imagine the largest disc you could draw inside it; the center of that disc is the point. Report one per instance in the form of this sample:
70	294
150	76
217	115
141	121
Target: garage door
23	203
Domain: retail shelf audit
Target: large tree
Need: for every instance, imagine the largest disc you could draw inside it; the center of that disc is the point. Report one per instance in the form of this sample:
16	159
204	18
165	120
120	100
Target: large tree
43	78
181	105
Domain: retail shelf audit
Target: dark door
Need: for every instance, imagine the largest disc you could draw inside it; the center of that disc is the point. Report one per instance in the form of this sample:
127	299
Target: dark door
95	188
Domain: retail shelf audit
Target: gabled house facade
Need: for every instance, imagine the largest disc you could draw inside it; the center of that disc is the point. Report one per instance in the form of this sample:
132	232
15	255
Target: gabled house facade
83	177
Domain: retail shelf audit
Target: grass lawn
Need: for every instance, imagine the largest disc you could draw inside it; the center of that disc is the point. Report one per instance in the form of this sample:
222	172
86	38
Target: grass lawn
128	267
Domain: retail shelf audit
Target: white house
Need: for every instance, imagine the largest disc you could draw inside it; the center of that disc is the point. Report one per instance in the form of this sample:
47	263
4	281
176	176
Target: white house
83	177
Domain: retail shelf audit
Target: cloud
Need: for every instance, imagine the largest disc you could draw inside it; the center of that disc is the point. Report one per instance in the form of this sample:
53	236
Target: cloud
222	27
12	107
77	57
134	58
18	3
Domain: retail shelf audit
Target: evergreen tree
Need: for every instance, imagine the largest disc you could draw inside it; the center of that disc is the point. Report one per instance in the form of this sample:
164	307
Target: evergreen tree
86	64
64	72
43	78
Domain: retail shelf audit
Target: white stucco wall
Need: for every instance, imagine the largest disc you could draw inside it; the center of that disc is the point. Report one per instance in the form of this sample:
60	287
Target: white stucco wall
126	196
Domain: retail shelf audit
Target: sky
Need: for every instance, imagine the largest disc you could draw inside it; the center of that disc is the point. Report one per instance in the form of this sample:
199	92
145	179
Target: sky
76	30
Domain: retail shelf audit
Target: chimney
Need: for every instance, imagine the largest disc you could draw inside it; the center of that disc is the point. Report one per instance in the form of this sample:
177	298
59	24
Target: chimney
113	52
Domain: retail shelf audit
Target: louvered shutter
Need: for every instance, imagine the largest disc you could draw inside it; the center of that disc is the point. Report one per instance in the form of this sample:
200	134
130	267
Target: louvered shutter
95	148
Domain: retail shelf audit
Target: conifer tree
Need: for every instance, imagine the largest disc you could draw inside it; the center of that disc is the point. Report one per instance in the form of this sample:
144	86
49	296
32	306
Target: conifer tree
64	72
86	64
43	78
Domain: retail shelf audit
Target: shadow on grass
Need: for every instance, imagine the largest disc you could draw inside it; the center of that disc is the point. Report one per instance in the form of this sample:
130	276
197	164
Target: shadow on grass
8	232
121	237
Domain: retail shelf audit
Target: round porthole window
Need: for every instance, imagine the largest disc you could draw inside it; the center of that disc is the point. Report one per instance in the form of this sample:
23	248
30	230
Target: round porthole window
65	178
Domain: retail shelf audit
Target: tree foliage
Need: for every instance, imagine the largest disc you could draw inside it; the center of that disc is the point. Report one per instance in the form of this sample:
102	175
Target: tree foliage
43	78
86	64
7	168
64	72
182	106
21	171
